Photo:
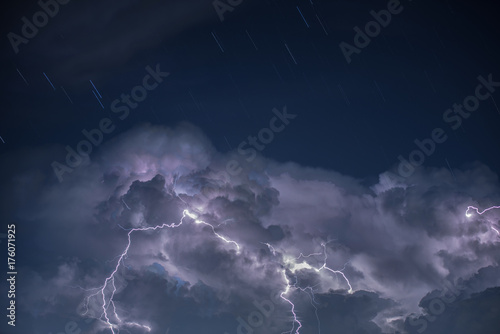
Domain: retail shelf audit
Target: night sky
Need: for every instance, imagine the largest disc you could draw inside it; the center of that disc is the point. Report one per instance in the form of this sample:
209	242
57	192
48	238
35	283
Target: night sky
248	167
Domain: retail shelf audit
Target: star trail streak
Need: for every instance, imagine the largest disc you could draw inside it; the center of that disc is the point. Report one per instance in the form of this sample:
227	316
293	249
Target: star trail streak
96	89
307	24
217	40
291	55
22	76
64	90
97	98
251	39
50	82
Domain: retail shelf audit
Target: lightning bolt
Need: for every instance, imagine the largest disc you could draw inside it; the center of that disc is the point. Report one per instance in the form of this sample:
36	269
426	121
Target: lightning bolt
271	248
309	290
282	295
197	221
340	272
477	210
468	214
293	266
109	283
305	265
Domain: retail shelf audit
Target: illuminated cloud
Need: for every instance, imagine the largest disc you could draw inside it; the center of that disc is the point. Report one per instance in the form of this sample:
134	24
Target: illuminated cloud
395	241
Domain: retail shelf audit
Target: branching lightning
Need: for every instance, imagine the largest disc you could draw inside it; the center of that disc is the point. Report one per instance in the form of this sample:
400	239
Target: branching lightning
305	265
310	292
468	214
282	295
109	283
197	221
293	266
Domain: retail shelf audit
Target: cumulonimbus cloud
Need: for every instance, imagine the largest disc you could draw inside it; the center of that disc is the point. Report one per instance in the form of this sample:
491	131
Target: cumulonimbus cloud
395	240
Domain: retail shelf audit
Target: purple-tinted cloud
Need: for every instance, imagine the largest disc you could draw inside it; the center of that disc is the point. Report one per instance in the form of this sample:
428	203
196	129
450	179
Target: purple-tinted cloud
395	240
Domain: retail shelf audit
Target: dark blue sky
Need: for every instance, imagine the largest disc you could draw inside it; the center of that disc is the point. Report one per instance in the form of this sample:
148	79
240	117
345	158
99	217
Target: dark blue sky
397	88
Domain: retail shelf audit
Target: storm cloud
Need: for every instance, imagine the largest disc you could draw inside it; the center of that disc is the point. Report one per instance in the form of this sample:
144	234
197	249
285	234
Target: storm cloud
399	242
